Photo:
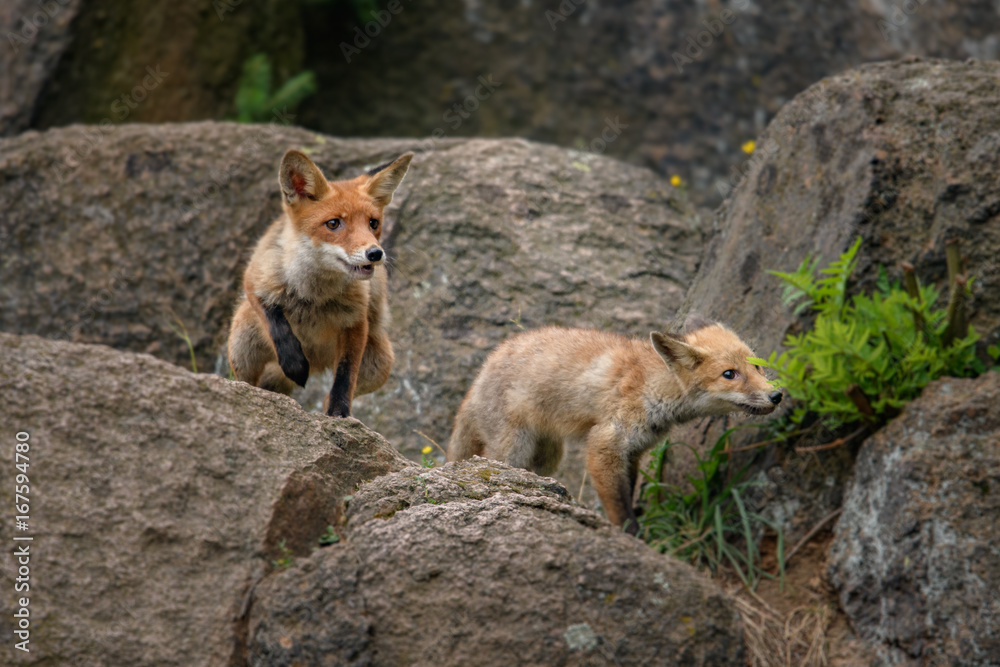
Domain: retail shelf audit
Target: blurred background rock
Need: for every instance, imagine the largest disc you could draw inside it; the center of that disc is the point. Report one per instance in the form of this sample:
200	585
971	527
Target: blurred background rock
689	83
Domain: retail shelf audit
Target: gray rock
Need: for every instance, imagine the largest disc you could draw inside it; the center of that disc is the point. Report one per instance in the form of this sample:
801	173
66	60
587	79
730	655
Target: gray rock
478	563
903	154
34	41
484	237
157	498
690	88
916	559
146	61
678	87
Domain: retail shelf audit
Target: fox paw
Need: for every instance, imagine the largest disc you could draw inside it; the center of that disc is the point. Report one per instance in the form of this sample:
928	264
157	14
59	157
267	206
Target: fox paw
295	369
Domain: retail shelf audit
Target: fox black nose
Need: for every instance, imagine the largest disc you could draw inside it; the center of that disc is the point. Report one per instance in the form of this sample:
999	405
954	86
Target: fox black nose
774	397
374	254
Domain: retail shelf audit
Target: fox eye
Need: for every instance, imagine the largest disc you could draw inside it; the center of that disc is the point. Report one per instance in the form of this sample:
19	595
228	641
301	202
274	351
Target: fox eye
373	223
729	374
334	225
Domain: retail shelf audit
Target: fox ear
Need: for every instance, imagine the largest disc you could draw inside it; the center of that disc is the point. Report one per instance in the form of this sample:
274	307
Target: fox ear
675	351
386	178
300	178
695	321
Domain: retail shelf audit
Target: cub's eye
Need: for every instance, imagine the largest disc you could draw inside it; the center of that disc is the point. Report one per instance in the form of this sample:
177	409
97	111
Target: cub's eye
758	370
334	225
373	223
729	375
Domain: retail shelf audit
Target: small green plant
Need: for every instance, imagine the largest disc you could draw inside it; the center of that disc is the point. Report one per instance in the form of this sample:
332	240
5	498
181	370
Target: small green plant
286	559
254	99
426	460
710	525
329	537
867	356
177	326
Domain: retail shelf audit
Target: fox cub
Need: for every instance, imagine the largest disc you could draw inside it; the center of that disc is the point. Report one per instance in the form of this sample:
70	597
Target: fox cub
618	396
315	289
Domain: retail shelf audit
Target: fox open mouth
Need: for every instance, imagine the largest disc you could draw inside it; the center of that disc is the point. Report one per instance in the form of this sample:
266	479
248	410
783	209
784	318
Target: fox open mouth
756	409
360	270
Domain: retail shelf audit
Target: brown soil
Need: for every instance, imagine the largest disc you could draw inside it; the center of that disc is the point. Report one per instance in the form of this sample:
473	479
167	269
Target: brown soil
799	624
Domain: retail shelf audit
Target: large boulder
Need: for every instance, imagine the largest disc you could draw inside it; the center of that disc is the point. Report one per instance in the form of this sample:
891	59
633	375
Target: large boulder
688	82
916	559
484	237
678	87
903	154
36	36
156	499
477	563
174	516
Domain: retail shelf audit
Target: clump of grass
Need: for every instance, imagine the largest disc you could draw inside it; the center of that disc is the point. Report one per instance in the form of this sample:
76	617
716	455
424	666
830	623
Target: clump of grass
709	526
776	640
177	326
286	560
329	537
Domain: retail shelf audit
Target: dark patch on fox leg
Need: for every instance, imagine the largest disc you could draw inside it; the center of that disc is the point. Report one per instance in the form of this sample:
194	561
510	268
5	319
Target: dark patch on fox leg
292	360
340	393
628	493
625	493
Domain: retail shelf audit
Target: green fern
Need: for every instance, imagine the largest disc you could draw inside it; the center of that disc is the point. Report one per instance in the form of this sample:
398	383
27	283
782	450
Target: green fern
254	100
866	357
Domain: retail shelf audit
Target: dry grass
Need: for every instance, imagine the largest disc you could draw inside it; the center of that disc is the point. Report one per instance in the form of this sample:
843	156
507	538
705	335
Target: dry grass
797	639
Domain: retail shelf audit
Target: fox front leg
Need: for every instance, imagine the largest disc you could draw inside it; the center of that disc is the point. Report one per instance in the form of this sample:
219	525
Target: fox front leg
611	470
292	360
345	379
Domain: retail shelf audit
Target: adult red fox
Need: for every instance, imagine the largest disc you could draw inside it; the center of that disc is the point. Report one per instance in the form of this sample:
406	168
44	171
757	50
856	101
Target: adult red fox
619	396
315	289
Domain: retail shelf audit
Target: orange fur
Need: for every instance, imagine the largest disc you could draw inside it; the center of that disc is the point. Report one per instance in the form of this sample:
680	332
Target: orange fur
315	290
549	388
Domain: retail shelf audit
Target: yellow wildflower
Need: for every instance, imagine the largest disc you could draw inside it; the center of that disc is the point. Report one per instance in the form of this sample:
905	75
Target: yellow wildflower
675	181
749	147
427	450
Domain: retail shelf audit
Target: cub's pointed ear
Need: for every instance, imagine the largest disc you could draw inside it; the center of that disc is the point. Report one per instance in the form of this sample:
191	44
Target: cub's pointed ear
386	178
675	351
695	321
300	179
